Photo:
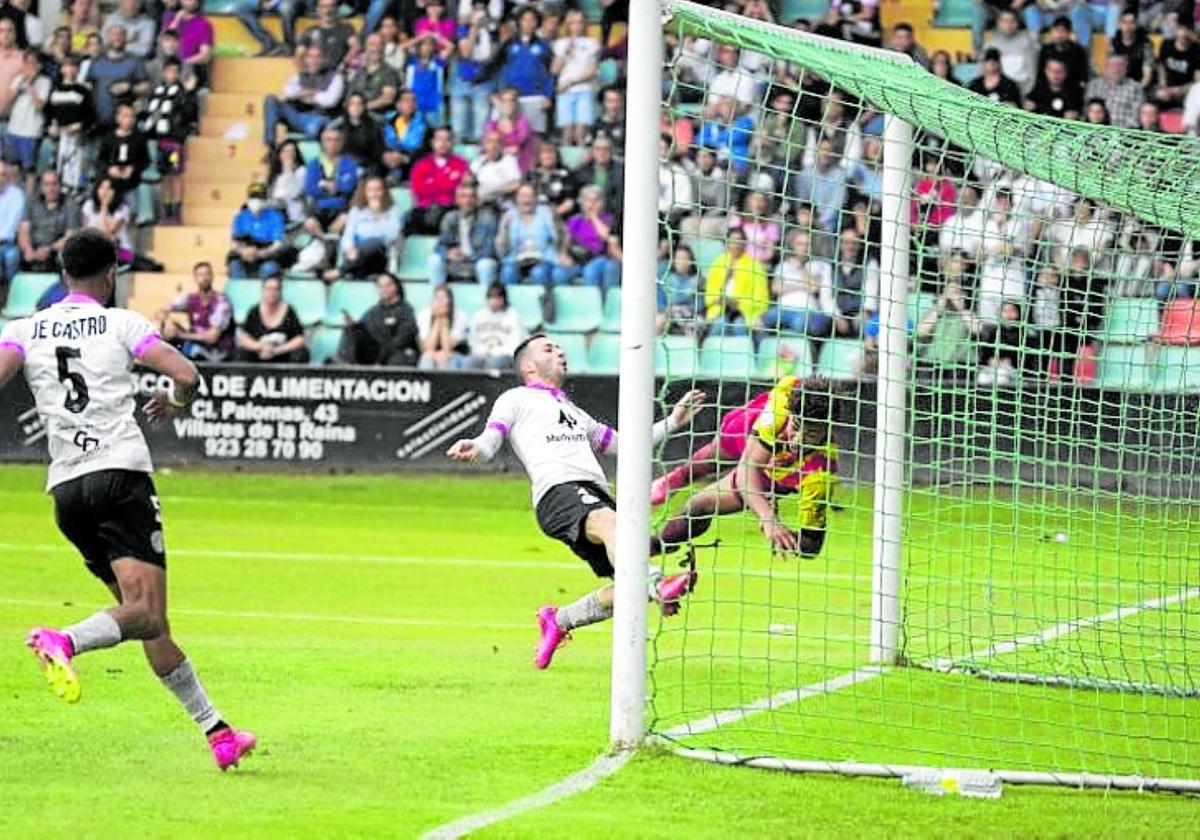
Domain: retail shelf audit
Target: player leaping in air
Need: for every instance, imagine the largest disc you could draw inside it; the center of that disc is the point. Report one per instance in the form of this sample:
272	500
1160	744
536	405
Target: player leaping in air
557	442
788	450
77	357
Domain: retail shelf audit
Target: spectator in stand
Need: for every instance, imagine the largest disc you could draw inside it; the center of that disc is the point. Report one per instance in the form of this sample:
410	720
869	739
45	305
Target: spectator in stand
403	137
139	28
855	286
259	248
330	181
941	65
106	212
761	230
732	81
1122	95
28	27
466	249
934	195
737	291
171	115
58	47
434	180
1095	112
1132	42
195	38
310	101
272	332
49	219
209	334
334	39
69	110
84	23
93	49
516	133
12	213
1018	50
523	63
1082	291
1055	95
361	135
287	177
250	12
375	80
116	76
1178	67
576	59
1149	117
168	48
425	76
371	234
554	183
470	94
803	291
823	186
393	45
496	174
675	188
1004	347
528	243
993	84
123	154
714	191
436	24
611	121
24	131
728	130
947	331
607	173
1062	46
387	334
590	249
902	40
443	329
495	332
678	296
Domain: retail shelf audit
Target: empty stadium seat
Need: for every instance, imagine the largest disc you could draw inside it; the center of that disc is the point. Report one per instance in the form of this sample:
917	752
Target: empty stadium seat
23	296
1124	367
572	156
468	297
604	356
352	297
307	297
814	11
1130	320
577	309
918	305
783	356
243	295
965	72
956	13
841	358
675	356
706	251
610	321
402	198
324	344
1180	323
414	262
726	357
574	347
1178	369
418	295
527	300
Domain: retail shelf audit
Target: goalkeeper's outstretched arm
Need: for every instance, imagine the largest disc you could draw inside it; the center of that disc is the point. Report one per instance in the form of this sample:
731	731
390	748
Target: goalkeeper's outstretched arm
604	438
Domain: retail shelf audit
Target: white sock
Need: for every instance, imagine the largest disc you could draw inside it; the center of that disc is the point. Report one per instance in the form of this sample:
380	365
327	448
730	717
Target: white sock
183	684
94	632
652	583
587	610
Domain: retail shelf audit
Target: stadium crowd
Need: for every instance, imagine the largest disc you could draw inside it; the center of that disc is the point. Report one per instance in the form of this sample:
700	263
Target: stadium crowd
456	123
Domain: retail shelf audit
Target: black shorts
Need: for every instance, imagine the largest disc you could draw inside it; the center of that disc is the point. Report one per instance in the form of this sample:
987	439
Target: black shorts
562	514
108	515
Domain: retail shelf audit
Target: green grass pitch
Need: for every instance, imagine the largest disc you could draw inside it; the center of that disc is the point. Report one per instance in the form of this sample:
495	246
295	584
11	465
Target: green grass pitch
376	632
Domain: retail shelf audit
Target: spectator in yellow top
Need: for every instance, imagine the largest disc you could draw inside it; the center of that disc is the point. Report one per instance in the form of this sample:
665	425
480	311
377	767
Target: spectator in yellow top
737	291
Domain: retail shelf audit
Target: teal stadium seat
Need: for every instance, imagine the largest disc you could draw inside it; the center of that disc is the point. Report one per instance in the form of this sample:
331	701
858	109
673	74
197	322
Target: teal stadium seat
574	347
706	250
418	295
610	321
1124	367
958	14
577	309
469	298
243	296
402	198
1130	320
468	151
527	300
23	296
727	357
1178	369
572	156
965	72
352	297
324	344
604	356
918	305
414	262
778	357
675	356
814	11
307	297
841	358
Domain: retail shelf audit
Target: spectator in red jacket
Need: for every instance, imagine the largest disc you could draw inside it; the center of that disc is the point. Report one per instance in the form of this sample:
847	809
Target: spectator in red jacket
433	180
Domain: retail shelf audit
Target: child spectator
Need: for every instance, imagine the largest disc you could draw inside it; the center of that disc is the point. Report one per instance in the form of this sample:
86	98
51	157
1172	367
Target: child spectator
67	112
25	122
169	118
425	76
495	331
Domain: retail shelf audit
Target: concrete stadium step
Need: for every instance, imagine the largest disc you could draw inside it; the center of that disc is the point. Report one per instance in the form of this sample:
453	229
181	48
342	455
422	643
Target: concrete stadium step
150	293
215	151
252	75
243	105
216	126
197	214
230	34
179	248
228	195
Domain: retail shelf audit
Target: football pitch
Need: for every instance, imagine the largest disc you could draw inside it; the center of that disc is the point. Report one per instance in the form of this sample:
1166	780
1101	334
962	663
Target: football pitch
376	632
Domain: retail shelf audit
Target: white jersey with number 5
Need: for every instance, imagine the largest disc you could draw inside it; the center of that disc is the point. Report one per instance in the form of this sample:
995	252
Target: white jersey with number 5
78	358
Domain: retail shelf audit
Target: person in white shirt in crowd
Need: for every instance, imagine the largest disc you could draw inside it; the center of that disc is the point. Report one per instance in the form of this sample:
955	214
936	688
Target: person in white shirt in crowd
288	172
495	331
139	27
964	230
443	328
26	121
576	58
1004	229
1018	50
496	172
803	291
732	81
1088	230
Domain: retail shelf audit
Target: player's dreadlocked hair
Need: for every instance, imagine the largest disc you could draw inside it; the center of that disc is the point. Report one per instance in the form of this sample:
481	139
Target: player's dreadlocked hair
812	404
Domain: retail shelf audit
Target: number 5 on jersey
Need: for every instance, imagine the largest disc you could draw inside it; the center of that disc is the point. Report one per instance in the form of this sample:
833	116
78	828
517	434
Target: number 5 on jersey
77	390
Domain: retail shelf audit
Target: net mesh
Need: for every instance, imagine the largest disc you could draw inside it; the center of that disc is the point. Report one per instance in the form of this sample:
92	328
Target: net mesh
1050	617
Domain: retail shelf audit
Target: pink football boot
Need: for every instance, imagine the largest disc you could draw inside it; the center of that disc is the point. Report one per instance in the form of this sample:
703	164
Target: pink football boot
54	652
552	637
229	745
672	589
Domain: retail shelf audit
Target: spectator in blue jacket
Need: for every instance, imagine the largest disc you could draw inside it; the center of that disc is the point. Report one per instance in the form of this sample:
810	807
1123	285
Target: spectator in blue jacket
523	62
330	180
425	76
404	137
727	133
466	249
259	248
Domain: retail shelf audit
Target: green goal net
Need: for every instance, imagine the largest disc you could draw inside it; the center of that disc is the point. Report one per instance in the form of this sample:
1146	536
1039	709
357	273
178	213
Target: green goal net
954	348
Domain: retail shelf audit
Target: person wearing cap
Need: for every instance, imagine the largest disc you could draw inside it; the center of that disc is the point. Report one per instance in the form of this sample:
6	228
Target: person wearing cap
259	249
993	84
1063	47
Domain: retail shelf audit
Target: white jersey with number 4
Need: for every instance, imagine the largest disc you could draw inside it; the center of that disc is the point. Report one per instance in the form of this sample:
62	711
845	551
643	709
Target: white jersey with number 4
555	439
78	358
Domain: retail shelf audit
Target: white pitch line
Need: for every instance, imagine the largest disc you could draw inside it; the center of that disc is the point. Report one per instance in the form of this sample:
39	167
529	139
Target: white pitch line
585	779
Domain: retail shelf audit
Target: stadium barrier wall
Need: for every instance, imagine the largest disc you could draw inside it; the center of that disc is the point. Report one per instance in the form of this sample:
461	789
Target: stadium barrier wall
335	418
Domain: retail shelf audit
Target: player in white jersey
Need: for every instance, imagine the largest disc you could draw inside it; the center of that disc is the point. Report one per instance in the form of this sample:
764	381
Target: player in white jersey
557	443
77	357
